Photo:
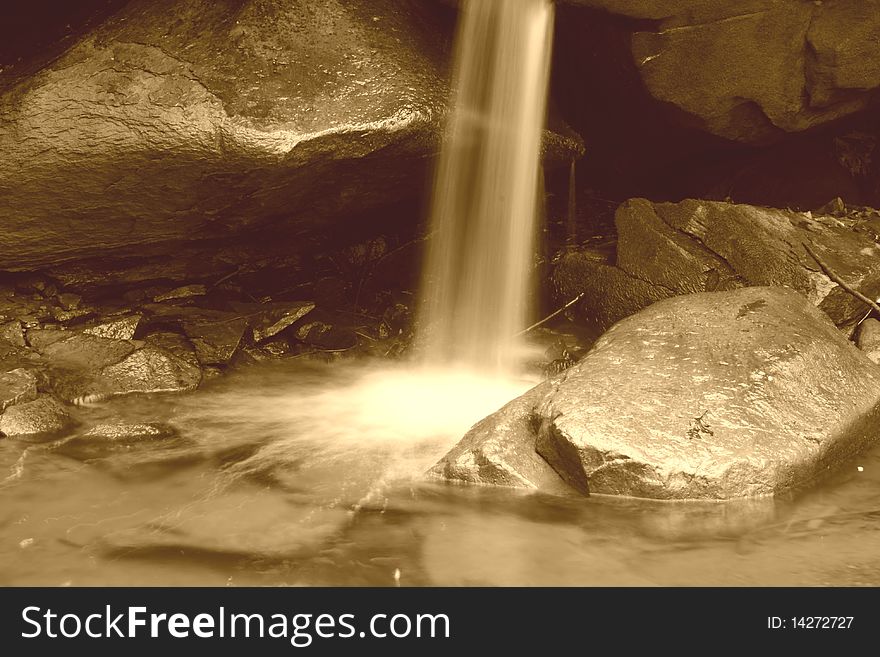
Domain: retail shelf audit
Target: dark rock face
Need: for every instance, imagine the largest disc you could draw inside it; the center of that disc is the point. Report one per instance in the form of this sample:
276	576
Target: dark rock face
753	70
708	396
666	249
181	121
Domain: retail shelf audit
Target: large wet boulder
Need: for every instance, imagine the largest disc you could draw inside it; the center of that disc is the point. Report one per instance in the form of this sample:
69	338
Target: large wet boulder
707	396
667	249
177	121
753	70
179	139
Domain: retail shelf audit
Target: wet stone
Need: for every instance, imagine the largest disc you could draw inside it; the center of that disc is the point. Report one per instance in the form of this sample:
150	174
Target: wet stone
275	321
42	418
123	328
17	386
265	352
40	338
12	333
713	396
326	336
85	352
215	342
312	331
151	370
129	432
185	292
110	439
176	345
277	348
61	315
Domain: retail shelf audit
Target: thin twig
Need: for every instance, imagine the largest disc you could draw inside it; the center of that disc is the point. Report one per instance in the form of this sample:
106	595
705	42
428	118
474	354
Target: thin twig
552	315
229	276
835	277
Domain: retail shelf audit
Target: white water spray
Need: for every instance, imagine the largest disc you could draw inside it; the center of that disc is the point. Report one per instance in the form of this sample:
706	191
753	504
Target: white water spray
397	420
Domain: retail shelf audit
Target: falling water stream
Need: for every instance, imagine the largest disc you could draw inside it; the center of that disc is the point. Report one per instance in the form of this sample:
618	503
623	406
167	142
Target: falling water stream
303	473
485	198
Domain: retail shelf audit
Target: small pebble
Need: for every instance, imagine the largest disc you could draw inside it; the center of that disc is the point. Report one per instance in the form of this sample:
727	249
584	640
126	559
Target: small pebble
26	543
860	469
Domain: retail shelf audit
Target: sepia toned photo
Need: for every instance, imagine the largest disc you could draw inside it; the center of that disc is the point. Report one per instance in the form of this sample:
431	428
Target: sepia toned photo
437	293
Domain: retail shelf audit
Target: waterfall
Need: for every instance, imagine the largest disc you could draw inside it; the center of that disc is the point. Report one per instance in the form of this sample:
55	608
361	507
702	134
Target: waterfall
483	218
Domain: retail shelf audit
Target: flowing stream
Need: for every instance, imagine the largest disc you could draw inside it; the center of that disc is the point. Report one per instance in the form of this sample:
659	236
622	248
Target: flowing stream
265	484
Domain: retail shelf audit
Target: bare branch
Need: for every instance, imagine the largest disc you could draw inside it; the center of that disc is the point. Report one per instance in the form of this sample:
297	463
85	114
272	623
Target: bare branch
834	276
552	315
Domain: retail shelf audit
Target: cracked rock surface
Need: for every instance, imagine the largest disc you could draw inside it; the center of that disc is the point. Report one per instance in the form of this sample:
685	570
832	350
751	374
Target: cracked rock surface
718	395
181	121
752	70
667	249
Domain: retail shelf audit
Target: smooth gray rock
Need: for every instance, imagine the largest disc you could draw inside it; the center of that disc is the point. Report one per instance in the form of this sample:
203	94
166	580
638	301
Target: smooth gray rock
718	396
179	121
500	450
41	418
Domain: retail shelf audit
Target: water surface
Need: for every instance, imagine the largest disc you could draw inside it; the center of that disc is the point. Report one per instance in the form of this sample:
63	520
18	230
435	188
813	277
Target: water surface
281	475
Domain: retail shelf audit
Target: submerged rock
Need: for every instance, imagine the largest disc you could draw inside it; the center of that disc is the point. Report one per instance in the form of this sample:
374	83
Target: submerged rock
142	441
707	396
666	249
37	419
128	433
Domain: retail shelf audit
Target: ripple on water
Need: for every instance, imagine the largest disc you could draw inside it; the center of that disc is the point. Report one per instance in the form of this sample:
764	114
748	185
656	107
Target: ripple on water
310	474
